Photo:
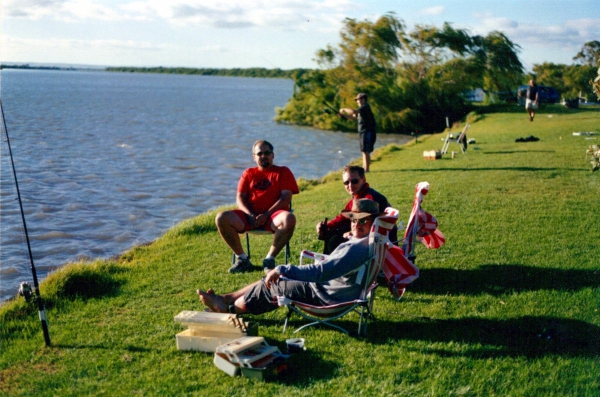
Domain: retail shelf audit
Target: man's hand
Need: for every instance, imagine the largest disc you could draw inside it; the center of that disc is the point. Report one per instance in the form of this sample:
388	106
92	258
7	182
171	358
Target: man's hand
271	277
261	220
251	220
322	229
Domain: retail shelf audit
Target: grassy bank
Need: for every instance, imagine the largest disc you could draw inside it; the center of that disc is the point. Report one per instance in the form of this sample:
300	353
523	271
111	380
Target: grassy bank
509	306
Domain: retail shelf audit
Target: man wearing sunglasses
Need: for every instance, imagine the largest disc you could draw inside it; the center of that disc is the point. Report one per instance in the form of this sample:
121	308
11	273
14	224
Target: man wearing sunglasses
322	283
336	231
263	198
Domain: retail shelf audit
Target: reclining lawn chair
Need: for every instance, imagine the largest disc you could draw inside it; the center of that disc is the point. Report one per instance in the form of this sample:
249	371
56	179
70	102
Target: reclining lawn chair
461	140
378	246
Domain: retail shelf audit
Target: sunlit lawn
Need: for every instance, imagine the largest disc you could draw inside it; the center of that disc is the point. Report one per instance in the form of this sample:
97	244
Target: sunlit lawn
509	306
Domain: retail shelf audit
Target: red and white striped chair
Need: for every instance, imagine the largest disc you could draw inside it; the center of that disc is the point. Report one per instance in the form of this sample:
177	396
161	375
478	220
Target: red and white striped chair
378	246
422	226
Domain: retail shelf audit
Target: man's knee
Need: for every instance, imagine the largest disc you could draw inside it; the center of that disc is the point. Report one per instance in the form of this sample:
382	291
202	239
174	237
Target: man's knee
221	218
227	219
287	221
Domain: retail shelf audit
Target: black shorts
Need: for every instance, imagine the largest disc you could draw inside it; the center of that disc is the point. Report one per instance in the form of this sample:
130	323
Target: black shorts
261	299
367	141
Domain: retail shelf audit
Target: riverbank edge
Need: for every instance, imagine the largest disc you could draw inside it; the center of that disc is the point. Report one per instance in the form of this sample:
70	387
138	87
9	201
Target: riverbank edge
303	184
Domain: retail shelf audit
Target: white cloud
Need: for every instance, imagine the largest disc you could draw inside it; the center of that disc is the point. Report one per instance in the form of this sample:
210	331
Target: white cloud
572	33
14	43
438	10
300	15
63	10
303	15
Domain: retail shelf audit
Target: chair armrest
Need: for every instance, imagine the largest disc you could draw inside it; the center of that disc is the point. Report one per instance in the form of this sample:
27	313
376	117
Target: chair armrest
315	256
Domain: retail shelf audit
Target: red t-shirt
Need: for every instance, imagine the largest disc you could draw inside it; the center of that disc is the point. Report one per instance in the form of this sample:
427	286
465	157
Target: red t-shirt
264	187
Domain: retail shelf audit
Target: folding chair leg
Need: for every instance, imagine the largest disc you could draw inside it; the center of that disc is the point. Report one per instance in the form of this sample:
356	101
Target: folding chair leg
362	331
287	318
445	147
247	250
248	245
287	253
324	323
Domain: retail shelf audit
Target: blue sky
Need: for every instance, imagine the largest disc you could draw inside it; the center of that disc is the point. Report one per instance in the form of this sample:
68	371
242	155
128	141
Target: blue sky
266	33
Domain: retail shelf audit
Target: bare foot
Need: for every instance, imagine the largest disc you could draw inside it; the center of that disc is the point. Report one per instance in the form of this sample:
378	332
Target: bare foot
210	291
214	302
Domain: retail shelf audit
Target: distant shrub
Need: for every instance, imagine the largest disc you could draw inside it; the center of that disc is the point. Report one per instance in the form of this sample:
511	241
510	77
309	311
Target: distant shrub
474	117
305	184
201	224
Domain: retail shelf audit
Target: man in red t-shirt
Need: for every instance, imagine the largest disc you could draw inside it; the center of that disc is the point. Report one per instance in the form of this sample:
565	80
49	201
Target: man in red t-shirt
264	195
336	231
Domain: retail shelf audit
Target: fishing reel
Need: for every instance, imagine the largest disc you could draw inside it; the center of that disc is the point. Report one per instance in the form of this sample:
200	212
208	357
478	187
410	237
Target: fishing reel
25	291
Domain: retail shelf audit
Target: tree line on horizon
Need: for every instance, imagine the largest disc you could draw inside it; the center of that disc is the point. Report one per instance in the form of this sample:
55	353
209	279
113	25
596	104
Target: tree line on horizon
234	72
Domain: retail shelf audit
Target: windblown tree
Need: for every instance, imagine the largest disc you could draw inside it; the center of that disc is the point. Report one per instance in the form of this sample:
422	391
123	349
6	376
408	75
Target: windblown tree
589	54
414	79
572	81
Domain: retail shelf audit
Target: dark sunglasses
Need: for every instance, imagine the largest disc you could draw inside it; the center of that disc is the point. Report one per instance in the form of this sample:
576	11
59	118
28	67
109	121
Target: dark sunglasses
362	221
265	153
353	181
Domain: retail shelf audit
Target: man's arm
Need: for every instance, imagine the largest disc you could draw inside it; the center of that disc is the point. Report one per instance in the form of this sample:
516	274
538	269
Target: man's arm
242	203
348	113
283	203
343	260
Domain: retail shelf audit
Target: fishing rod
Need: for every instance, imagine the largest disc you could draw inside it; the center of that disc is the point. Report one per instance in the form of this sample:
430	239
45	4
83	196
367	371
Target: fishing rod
315	95
25	289
326	110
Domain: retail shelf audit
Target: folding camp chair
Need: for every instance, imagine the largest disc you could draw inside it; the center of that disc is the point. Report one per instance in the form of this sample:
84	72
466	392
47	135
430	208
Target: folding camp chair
259	232
363	305
421	226
461	140
399	271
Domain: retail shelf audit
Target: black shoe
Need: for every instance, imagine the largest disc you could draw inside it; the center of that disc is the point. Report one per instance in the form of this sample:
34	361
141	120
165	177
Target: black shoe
268	265
241	266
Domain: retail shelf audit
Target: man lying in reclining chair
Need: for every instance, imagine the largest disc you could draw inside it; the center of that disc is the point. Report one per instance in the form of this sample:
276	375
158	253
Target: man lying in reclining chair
324	283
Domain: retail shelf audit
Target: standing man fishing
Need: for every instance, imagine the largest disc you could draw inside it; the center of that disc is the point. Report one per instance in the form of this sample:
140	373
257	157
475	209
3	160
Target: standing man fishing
366	126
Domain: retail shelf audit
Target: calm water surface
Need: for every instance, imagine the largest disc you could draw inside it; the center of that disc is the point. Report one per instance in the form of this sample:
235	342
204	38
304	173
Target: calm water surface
106	161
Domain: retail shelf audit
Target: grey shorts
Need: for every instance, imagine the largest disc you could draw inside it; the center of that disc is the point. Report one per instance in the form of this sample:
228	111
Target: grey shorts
261	299
367	141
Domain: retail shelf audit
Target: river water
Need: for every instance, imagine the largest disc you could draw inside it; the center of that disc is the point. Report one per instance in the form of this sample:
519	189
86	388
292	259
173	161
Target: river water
106	161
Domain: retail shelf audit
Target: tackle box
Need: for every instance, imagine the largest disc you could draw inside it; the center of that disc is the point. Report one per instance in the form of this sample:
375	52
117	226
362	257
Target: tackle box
206	330
251	357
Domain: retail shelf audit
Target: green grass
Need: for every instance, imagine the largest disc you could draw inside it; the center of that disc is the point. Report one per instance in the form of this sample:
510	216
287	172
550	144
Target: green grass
508	307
